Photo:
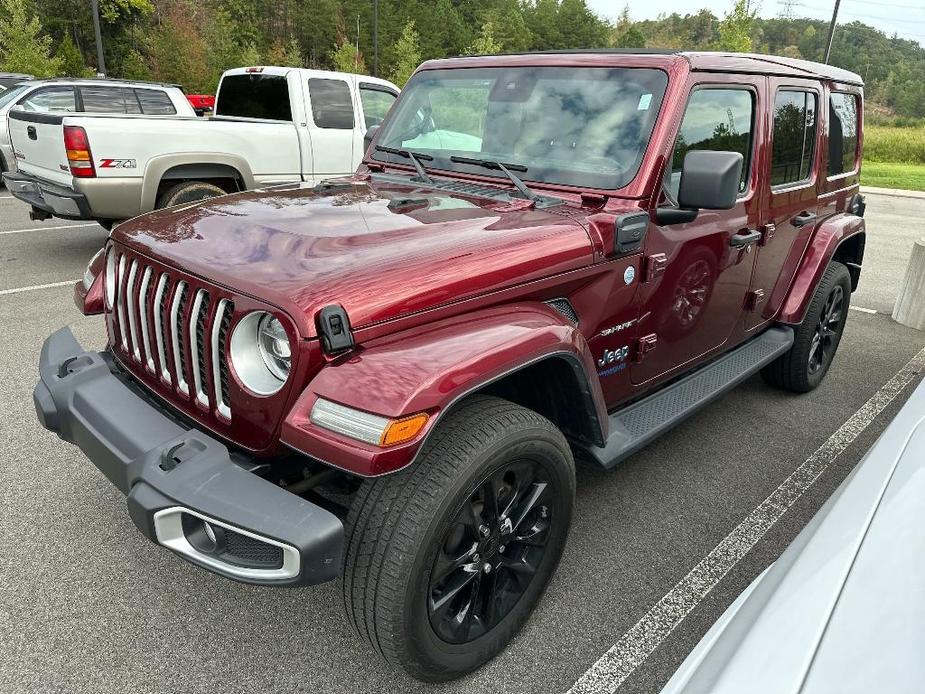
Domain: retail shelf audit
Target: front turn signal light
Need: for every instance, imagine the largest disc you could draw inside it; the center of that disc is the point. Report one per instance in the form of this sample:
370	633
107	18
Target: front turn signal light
401	430
364	426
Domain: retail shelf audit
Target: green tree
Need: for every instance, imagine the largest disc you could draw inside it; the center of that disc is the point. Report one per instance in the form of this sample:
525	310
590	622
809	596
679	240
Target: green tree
737	28
631	38
71	60
178	52
486	43
135	67
407	54
346	58
250	55
24	47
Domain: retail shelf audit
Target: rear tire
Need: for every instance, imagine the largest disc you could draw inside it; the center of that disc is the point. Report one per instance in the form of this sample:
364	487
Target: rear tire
415	585
816	339
188	192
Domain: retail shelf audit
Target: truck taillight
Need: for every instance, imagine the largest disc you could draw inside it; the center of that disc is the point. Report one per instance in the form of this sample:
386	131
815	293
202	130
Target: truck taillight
79	157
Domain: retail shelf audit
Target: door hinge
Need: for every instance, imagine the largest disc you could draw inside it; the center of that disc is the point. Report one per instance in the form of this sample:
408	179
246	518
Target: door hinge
767	233
754	299
645	345
655	266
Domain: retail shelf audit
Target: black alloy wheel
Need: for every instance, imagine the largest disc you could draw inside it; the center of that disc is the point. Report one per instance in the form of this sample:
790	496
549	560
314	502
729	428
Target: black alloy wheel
490	552
828	329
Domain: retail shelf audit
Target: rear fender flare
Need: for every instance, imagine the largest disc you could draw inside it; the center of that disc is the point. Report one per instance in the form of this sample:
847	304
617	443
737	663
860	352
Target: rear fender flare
433	369
822	248
158	166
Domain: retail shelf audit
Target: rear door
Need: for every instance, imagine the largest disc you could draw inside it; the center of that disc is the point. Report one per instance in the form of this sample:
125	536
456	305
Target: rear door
333	125
790	194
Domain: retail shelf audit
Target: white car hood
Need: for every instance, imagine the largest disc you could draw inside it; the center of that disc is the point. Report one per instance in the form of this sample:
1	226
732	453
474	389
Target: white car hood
843	609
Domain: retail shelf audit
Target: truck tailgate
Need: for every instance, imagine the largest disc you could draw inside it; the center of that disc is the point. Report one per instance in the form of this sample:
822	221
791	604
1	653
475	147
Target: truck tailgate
38	145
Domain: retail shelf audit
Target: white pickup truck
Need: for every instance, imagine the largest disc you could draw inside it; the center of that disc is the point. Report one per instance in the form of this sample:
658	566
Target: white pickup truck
272	125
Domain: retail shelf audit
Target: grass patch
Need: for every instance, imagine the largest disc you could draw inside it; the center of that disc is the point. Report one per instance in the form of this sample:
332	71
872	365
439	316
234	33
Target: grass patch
893	175
894	145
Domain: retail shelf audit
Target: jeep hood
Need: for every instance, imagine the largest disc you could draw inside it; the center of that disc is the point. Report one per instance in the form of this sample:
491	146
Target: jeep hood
382	250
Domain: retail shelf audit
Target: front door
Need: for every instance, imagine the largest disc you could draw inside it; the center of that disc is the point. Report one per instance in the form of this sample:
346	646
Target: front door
695	280
790	189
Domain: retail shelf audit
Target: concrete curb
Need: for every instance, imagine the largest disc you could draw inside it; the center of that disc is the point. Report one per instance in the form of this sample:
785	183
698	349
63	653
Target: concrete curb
894	192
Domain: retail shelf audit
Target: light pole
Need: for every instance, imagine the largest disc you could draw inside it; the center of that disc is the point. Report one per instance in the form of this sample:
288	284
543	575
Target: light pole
100	61
828	44
375	38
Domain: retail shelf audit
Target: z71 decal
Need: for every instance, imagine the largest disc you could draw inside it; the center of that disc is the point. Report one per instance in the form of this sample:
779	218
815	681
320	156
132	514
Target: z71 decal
118	164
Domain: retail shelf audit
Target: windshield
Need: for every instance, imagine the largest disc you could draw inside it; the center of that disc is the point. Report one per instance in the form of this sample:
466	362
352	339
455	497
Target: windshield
11	94
585	127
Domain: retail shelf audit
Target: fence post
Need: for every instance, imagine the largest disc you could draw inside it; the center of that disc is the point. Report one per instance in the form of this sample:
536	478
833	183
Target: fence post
910	304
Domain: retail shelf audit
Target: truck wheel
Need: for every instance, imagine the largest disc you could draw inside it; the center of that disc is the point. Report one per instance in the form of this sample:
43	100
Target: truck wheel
803	367
190	191
447	559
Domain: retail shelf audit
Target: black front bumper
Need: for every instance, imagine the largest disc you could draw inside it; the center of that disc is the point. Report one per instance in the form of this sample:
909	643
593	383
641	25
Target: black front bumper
48	197
176	478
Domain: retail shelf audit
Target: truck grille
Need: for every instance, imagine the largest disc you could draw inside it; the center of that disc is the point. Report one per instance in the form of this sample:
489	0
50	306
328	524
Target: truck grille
174	330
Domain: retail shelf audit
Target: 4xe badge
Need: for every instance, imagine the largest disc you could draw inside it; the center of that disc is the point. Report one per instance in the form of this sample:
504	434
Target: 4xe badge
614	360
118	164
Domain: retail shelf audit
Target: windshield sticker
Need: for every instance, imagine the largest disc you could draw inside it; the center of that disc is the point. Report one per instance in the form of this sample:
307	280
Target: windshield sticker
645	100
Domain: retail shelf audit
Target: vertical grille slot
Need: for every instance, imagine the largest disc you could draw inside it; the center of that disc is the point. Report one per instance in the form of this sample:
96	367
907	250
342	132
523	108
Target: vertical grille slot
220	326
177	309
196	335
132	323
160	308
120	300
143	295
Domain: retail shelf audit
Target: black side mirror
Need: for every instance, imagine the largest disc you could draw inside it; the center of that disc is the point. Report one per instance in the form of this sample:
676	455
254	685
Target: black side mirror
368	137
709	181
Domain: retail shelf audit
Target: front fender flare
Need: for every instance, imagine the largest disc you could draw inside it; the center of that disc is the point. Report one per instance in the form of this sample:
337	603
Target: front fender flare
431	369
822	248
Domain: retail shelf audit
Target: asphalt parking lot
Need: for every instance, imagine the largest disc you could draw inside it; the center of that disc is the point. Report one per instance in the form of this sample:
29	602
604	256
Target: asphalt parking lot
88	605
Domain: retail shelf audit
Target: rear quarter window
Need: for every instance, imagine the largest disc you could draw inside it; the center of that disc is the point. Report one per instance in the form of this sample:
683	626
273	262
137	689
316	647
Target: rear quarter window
155	103
843	133
253	95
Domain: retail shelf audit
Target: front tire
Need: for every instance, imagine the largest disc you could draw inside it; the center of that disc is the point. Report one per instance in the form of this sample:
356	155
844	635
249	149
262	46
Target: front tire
816	339
447	559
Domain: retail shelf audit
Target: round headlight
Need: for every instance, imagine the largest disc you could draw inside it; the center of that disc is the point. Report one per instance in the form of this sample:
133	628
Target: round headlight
261	353
110	279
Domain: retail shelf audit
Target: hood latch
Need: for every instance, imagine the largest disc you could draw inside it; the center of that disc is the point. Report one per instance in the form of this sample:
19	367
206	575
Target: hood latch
334	329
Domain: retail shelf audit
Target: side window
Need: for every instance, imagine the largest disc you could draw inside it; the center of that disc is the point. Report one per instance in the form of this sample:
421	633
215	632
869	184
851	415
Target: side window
794	137
332	106
155	103
55	99
843	133
715	119
102	99
131	101
376	103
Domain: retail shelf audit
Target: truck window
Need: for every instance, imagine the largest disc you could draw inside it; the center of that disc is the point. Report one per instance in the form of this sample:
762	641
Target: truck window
131	101
843	133
376	102
156	103
102	99
51	99
331	103
717	119
254	95
794	136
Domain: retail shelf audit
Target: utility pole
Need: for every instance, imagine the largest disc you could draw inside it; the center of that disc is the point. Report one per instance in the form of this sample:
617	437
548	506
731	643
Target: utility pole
100	61
356	56
375	38
828	44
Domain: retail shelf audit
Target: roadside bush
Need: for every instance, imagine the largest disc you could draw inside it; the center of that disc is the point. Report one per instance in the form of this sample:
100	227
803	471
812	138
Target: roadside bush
899	145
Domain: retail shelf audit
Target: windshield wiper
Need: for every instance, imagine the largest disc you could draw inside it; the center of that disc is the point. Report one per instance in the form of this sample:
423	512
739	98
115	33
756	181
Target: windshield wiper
414	157
498	166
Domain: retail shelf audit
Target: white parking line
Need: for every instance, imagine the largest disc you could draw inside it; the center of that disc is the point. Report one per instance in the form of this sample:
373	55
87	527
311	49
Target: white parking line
63	226
637	644
18	290
862	309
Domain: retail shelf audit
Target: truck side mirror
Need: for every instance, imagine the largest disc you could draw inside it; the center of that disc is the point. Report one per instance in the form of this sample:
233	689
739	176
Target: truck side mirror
709	181
368	137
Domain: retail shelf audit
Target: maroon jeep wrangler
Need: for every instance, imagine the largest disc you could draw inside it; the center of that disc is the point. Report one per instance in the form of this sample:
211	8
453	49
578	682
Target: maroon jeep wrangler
388	378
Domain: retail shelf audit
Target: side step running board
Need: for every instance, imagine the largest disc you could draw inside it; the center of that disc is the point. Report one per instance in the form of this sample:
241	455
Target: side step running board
633	427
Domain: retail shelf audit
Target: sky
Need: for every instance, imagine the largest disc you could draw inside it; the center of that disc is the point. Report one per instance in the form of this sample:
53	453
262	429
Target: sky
905	18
